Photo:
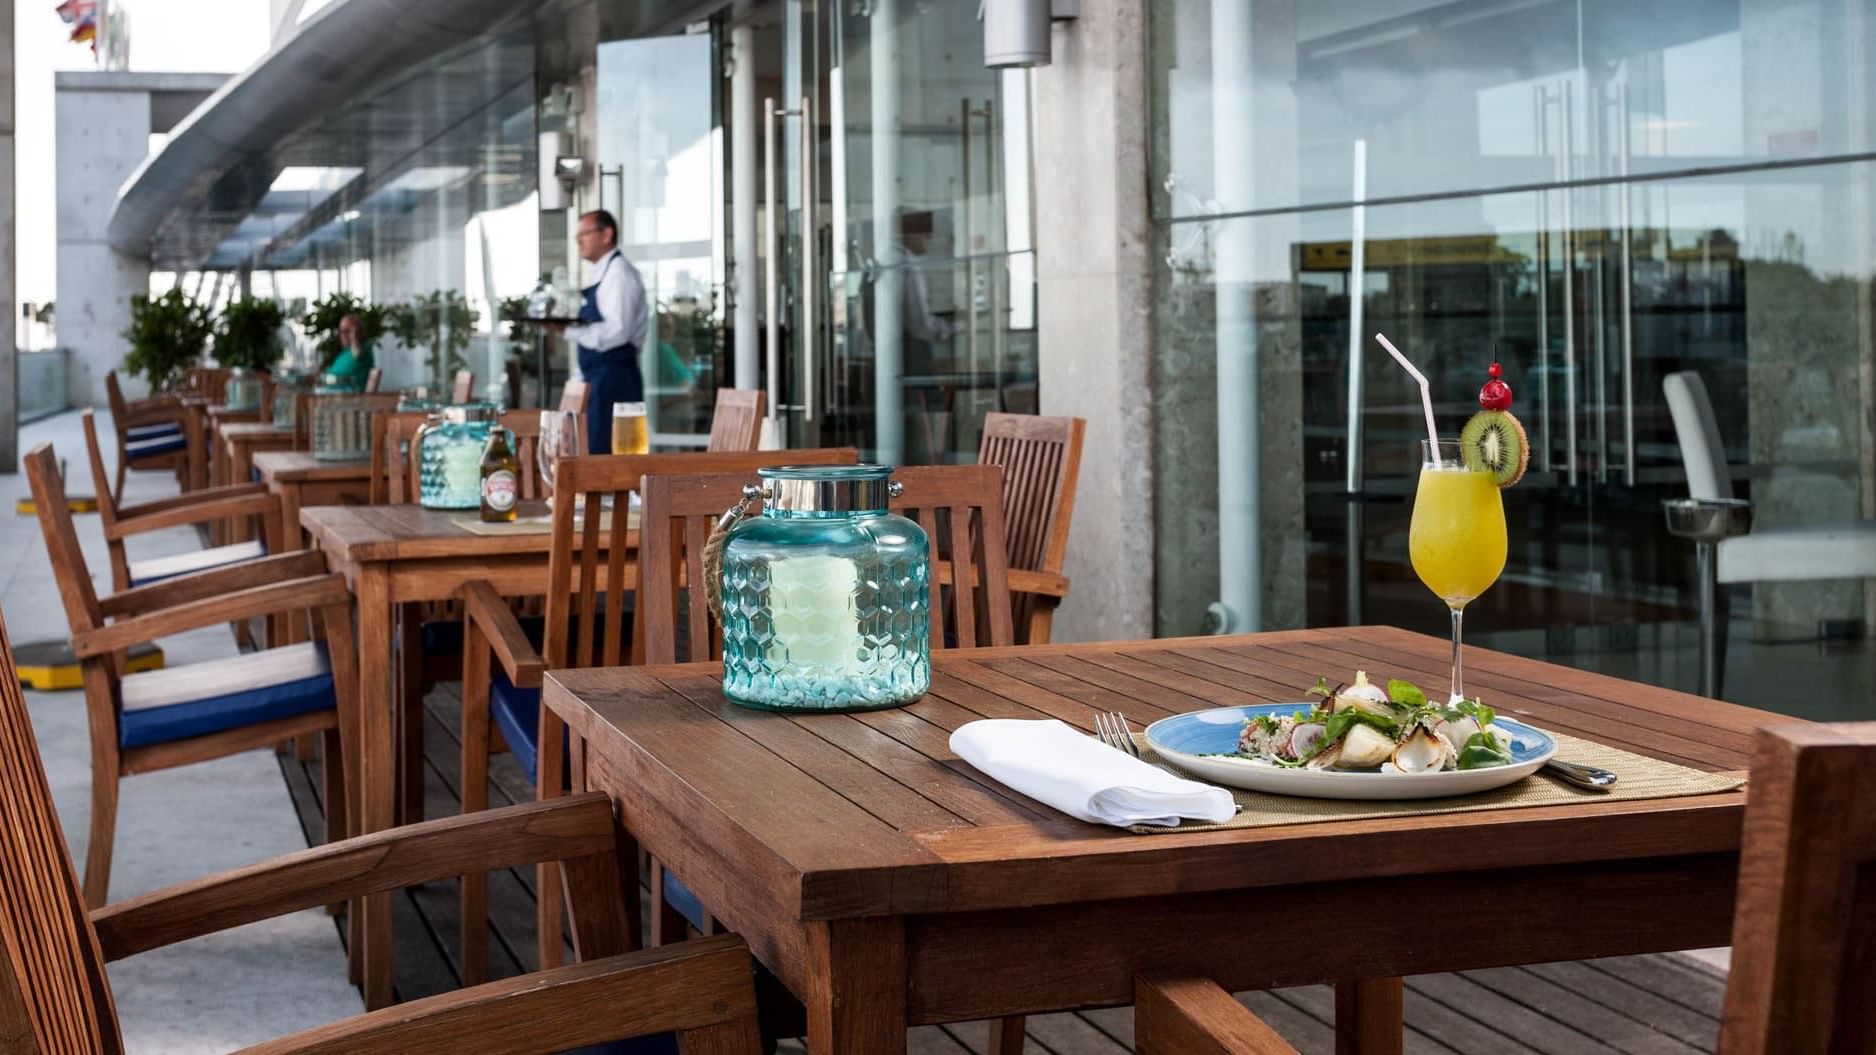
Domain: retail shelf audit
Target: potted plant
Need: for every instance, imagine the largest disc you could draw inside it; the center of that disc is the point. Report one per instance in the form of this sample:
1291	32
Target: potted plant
440	322
247	340
167	336
321	322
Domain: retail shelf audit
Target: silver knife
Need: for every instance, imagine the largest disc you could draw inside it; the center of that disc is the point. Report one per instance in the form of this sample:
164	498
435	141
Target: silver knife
1583	776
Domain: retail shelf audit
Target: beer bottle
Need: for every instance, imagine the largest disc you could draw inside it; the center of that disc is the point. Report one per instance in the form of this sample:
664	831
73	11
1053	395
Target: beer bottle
501	478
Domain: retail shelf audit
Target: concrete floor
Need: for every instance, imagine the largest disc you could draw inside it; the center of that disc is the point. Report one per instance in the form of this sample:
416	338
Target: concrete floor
217	993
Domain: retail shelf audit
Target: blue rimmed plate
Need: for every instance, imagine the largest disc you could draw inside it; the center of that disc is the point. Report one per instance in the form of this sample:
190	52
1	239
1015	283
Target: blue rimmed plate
1205	744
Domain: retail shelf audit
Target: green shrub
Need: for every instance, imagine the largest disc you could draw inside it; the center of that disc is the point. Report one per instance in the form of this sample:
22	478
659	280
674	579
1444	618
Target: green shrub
321	322
167	336
441	322
248	333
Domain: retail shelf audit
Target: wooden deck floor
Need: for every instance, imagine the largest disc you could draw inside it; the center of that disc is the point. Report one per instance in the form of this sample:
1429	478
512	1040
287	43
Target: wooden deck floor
1643	1005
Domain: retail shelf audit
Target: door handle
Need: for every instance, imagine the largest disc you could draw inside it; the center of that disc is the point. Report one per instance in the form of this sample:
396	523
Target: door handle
771	246
1628	292
810	346
1567	163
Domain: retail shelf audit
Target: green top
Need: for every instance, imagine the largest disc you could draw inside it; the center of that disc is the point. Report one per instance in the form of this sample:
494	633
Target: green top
353	364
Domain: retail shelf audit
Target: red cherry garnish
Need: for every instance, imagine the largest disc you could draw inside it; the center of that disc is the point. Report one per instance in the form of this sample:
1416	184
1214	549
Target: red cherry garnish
1495	394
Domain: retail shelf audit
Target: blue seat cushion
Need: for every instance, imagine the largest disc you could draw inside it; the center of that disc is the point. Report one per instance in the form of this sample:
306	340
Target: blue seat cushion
443	637
196	699
680	897
145	432
517	714
162	444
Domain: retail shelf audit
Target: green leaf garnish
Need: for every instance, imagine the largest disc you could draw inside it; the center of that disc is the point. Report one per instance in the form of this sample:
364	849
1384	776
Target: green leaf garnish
1321	688
1482	750
1405	694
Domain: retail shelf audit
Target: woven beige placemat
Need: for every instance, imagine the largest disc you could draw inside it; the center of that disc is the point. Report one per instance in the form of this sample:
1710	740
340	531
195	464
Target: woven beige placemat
534	525
1641	778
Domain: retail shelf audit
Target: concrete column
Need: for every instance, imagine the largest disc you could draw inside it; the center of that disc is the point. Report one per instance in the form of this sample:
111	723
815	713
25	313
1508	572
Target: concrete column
1094	289
9	308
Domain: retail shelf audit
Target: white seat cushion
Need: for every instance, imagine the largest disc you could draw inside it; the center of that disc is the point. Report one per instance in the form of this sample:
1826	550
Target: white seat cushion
1812	551
155	568
222	677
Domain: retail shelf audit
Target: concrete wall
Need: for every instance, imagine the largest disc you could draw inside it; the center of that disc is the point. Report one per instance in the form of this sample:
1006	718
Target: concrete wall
104	126
1094	293
9	314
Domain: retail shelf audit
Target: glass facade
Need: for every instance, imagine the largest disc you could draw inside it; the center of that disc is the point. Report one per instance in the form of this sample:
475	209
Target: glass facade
1596	194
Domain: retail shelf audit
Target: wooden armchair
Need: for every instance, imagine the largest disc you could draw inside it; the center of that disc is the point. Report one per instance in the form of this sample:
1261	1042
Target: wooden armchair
1041	461
736	423
198	507
462	387
590	579
178	715
55	995
155	433
374	380
209	382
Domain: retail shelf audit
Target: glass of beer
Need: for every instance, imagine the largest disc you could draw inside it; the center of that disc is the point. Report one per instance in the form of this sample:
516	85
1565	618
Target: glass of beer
631	432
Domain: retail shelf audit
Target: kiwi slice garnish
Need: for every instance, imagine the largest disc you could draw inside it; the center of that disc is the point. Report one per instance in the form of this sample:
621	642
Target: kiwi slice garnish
1494	442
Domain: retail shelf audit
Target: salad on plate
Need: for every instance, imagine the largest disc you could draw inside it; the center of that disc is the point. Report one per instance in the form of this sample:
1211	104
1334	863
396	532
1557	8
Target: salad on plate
1363	727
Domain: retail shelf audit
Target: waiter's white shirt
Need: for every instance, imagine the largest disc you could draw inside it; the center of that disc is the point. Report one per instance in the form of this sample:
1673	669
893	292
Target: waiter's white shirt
623	314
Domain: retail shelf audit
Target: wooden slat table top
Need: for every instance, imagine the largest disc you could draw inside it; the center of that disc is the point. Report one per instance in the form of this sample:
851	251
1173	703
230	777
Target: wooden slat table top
304	466
844	816
365	534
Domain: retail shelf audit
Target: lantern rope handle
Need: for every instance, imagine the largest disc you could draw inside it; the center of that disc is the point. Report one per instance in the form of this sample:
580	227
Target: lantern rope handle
713	548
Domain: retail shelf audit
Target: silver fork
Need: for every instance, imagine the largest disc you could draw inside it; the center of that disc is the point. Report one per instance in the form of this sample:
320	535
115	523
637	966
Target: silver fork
1112	729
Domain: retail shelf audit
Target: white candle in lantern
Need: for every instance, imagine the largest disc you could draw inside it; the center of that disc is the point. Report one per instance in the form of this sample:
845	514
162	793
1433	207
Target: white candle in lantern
811	603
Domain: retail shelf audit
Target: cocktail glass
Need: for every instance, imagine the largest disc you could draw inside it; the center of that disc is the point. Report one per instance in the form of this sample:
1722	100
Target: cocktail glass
1457	537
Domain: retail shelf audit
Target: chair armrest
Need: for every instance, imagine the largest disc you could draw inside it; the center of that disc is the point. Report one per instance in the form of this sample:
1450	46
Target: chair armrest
487	612
212	583
206	507
206	494
702	989
1189	1015
290	596
549	830
149	412
1041	583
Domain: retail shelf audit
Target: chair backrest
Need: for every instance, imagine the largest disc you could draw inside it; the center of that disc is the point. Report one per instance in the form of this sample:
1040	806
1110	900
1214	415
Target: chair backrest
1041	461
576	635
573	396
374	379
395	478
114	394
462	386
107	503
1702	453
54	996
306	408
736	423
209	381
55	522
961	509
1804	923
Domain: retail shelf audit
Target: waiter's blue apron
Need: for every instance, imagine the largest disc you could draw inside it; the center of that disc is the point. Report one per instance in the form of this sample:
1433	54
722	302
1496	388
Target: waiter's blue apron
612	374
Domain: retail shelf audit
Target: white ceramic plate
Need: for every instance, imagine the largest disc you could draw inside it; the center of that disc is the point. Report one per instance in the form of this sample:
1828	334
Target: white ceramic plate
1204	744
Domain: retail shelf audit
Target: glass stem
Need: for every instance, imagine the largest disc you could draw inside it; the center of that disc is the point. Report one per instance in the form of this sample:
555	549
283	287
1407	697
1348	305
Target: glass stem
1459	683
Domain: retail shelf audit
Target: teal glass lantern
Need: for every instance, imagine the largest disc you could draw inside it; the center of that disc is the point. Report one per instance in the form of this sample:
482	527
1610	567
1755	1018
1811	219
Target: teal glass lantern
449	455
826	595
243	391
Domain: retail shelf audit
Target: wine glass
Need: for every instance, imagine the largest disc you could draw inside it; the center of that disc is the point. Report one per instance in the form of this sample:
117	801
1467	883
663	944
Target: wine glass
1457	537
560	431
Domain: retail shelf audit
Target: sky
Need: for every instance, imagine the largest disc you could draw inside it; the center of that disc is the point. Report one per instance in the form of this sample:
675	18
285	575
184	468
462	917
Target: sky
185	36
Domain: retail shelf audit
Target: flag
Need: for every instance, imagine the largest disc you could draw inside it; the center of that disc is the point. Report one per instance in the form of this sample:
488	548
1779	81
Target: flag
74	10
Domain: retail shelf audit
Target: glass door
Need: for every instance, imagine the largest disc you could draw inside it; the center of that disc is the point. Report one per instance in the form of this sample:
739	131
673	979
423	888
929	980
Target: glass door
902	306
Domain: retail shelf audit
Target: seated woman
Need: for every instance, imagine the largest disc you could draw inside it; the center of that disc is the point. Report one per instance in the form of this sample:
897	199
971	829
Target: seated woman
355	361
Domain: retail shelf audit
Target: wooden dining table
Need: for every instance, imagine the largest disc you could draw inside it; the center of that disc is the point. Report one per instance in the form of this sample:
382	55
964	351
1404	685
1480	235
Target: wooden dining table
240	442
395	558
889	884
303	479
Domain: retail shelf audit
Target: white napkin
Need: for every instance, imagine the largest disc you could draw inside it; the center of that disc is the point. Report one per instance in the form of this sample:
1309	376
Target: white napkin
1053	763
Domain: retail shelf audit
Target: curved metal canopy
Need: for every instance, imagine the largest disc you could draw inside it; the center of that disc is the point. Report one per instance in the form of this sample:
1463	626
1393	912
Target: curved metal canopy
219	163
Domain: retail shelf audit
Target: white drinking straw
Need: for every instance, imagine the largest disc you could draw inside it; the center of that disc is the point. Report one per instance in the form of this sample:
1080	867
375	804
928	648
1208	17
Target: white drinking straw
1426	397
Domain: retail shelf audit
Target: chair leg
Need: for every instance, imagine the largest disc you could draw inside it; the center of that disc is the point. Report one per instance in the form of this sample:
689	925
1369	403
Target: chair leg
1006	1035
475	798
410	715
332	767
123	465
103	831
668	925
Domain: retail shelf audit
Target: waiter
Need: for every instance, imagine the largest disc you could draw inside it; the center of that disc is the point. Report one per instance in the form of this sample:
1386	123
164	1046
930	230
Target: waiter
611	329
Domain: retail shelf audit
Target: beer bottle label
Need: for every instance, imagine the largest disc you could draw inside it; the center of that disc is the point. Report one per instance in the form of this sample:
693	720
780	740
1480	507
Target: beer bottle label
499	490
